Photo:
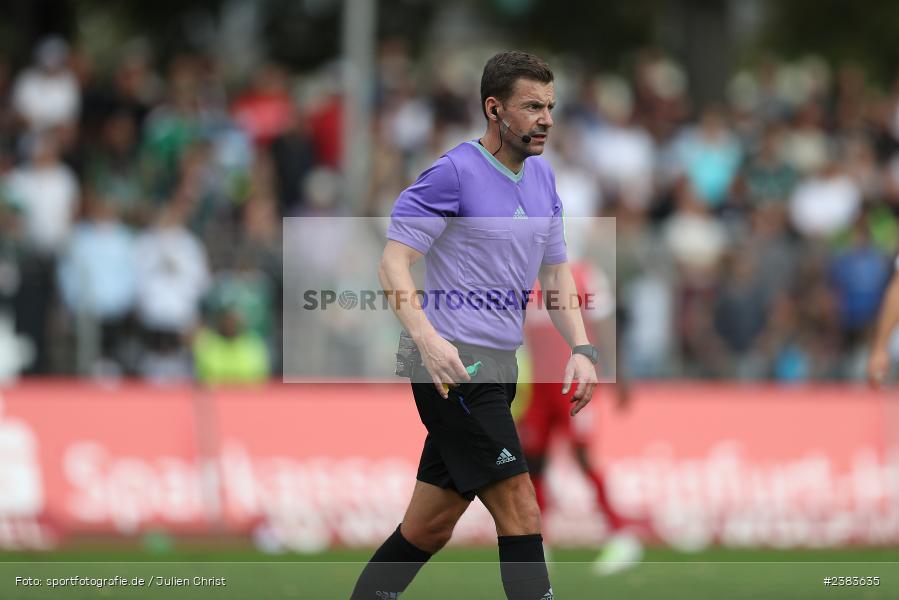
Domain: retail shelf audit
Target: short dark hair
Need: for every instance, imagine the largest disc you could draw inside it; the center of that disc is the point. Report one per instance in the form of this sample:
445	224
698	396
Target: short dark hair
504	69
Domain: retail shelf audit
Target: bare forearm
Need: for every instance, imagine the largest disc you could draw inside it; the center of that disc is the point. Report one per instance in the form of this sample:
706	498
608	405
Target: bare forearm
561	300
889	315
396	280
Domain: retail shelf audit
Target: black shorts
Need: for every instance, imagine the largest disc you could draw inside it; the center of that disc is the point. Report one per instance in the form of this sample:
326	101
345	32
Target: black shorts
472	440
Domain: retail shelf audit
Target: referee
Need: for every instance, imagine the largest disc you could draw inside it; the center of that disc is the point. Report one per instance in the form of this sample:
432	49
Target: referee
486	217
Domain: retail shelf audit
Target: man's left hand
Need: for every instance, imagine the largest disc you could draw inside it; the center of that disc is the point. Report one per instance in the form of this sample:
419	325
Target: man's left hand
581	370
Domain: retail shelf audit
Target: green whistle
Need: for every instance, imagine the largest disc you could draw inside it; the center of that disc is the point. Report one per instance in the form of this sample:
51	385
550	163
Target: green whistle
472	370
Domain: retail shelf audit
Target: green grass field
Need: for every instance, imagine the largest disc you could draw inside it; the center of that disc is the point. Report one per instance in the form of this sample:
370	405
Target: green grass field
470	573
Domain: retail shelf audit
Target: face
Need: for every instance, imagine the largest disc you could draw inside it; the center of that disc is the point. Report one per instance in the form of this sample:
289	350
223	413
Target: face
528	112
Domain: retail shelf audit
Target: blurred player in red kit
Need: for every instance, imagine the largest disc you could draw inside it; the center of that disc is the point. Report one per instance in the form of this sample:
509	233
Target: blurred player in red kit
548	413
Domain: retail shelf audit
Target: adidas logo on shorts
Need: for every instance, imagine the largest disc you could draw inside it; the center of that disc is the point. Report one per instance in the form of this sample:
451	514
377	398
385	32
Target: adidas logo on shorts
504	457
387	595
548	595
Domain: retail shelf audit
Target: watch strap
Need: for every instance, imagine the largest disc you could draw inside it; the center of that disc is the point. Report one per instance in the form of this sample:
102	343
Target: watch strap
588	350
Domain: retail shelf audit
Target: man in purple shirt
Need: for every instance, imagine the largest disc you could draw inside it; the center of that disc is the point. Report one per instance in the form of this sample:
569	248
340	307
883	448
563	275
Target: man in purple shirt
488	221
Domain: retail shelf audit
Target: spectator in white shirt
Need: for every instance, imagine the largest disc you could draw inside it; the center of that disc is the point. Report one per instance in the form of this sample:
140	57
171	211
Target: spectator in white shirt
47	191
172	275
622	153
47	95
826	203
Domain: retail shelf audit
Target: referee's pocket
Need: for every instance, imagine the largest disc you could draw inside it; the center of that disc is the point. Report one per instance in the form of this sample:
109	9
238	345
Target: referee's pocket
486	257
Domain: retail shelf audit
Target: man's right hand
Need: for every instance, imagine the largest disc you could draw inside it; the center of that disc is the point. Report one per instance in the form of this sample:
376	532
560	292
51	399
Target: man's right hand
878	367
442	361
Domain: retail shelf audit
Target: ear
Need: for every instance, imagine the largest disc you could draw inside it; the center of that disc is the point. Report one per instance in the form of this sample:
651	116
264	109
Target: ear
493	112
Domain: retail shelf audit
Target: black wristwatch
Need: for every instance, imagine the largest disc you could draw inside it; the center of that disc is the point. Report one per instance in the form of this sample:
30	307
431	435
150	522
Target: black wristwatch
587	350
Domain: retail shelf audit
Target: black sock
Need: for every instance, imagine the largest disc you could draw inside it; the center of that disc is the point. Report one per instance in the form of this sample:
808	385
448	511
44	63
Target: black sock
523	567
390	570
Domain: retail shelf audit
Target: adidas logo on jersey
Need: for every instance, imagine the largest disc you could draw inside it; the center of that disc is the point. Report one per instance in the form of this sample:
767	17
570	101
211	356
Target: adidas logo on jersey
387	595
519	213
504	457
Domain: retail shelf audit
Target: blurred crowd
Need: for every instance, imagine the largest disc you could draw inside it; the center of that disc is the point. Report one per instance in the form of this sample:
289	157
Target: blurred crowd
141	204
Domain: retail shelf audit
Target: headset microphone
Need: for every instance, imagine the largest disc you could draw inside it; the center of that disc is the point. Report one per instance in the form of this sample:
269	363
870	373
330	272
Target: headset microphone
524	137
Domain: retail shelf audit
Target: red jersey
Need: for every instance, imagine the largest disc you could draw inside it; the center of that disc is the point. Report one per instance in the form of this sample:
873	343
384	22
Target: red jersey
548	350
548	410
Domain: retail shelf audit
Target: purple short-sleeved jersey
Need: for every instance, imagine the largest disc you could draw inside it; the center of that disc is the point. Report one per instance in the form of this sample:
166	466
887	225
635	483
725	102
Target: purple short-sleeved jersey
484	231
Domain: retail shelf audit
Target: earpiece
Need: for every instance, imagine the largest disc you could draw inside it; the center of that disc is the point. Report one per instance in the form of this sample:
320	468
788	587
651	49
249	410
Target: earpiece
524	137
